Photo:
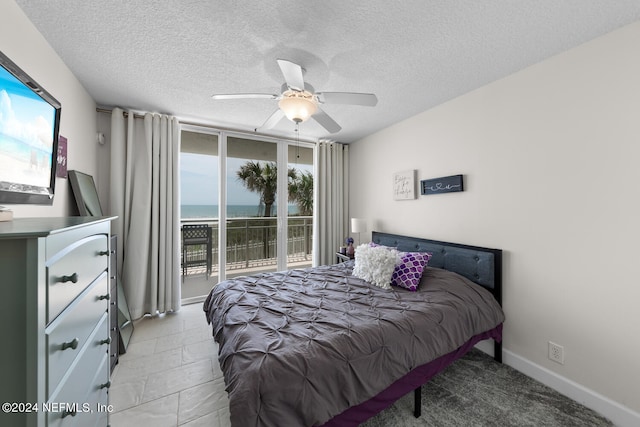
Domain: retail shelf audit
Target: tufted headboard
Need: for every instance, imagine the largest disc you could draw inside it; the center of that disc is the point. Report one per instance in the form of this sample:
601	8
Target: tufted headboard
480	265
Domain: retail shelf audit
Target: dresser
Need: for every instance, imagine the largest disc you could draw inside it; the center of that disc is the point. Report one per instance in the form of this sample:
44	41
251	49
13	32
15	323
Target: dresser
55	305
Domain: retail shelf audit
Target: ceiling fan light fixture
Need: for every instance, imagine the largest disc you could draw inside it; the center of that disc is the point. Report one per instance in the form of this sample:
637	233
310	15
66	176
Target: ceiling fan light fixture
298	106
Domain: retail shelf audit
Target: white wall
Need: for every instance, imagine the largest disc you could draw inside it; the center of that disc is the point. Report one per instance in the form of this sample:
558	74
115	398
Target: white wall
25	46
551	163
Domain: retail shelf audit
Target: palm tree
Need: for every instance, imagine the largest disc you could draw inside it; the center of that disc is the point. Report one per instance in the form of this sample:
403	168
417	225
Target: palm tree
301	192
261	179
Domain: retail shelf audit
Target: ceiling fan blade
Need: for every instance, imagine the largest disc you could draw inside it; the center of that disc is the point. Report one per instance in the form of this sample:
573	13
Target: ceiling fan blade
244	96
292	73
272	121
366	99
326	122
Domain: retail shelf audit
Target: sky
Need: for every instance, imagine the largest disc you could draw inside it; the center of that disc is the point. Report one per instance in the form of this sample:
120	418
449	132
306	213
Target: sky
26	134
199	181
23	114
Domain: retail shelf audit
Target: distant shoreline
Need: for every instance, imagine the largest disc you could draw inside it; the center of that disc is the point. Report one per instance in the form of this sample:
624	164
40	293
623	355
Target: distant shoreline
233	211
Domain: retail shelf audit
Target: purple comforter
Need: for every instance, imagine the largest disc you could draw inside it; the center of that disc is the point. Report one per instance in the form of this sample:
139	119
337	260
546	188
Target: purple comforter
299	347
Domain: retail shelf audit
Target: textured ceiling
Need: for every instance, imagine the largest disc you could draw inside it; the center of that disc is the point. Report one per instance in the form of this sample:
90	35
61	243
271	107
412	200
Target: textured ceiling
171	56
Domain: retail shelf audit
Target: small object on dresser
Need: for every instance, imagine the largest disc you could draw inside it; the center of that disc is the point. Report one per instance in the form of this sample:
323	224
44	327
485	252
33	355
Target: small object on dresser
5	214
350	248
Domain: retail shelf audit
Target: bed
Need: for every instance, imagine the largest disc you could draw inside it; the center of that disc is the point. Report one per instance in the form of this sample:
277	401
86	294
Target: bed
321	347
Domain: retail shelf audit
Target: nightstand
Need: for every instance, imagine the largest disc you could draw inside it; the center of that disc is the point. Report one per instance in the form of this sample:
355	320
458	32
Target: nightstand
342	258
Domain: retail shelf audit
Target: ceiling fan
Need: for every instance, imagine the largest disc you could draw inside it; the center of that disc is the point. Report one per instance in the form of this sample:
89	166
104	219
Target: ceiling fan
298	100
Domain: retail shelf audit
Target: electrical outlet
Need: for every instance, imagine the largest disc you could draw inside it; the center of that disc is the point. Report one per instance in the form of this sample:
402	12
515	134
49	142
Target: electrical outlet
556	352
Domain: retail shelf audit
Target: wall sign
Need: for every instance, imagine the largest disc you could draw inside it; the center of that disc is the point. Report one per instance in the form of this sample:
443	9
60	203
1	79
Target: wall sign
445	184
61	171
404	185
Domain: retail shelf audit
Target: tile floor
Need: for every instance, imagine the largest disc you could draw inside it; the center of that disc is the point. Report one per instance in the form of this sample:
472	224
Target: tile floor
170	375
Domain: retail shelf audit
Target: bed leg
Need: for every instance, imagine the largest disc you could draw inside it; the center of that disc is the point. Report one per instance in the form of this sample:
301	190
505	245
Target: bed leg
417	402
497	351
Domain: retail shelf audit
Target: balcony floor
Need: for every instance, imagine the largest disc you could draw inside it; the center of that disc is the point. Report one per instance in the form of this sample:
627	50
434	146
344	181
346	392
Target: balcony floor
196	286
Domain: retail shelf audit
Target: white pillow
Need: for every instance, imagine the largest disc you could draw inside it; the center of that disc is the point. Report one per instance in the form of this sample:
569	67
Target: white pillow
375	264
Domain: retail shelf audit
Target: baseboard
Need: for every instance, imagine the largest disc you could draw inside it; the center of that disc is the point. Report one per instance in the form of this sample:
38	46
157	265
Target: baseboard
618	414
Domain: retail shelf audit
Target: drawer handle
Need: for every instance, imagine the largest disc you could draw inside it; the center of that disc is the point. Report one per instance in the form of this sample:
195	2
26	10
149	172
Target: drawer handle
105	296
105	385
71	344
103	253
73	278
67	413
106	341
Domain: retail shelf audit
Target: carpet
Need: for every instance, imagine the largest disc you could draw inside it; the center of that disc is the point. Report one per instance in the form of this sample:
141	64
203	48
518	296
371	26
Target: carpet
477	391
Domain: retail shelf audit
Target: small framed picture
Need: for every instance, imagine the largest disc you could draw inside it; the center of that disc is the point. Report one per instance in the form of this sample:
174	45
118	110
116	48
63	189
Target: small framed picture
404	185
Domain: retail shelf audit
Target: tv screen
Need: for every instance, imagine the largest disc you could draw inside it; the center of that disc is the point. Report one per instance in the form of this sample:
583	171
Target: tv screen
29	126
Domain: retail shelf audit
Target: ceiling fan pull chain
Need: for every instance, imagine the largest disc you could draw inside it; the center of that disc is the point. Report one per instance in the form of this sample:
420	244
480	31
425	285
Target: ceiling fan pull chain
297	141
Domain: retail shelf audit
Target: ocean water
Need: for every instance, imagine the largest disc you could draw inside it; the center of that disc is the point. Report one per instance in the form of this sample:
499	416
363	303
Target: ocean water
233	211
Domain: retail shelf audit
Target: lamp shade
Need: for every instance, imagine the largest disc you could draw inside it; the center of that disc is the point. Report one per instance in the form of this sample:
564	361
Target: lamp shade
358	225
297	106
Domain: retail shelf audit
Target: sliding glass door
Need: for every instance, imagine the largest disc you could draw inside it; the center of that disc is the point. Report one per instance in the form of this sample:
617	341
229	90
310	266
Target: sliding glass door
251	208
300	180
254	214
199	211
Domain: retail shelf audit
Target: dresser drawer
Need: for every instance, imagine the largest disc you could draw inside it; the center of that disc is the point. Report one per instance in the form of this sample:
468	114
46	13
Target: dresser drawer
98	397
68	336
72	269
82	405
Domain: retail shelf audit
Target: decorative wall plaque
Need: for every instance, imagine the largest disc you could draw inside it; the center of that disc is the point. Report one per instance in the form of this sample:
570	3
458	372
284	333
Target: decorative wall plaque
445	184
61	171
404	185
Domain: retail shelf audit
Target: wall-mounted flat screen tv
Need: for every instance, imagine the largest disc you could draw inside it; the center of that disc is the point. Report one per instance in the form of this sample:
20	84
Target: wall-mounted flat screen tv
29	126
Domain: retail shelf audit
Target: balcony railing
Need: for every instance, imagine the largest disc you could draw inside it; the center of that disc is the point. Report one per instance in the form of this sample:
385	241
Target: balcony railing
251	242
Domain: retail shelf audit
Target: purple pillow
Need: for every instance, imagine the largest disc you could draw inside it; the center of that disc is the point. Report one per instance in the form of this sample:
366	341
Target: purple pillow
408	271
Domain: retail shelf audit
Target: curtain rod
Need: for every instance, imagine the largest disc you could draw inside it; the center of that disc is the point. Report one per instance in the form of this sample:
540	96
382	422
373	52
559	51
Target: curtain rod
124	113
140	116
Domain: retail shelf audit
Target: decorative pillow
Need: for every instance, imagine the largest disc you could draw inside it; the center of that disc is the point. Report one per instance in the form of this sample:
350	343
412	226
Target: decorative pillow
408	270
375	264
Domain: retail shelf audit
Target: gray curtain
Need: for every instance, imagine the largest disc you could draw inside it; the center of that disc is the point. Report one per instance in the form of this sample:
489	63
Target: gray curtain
144	196
333	198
